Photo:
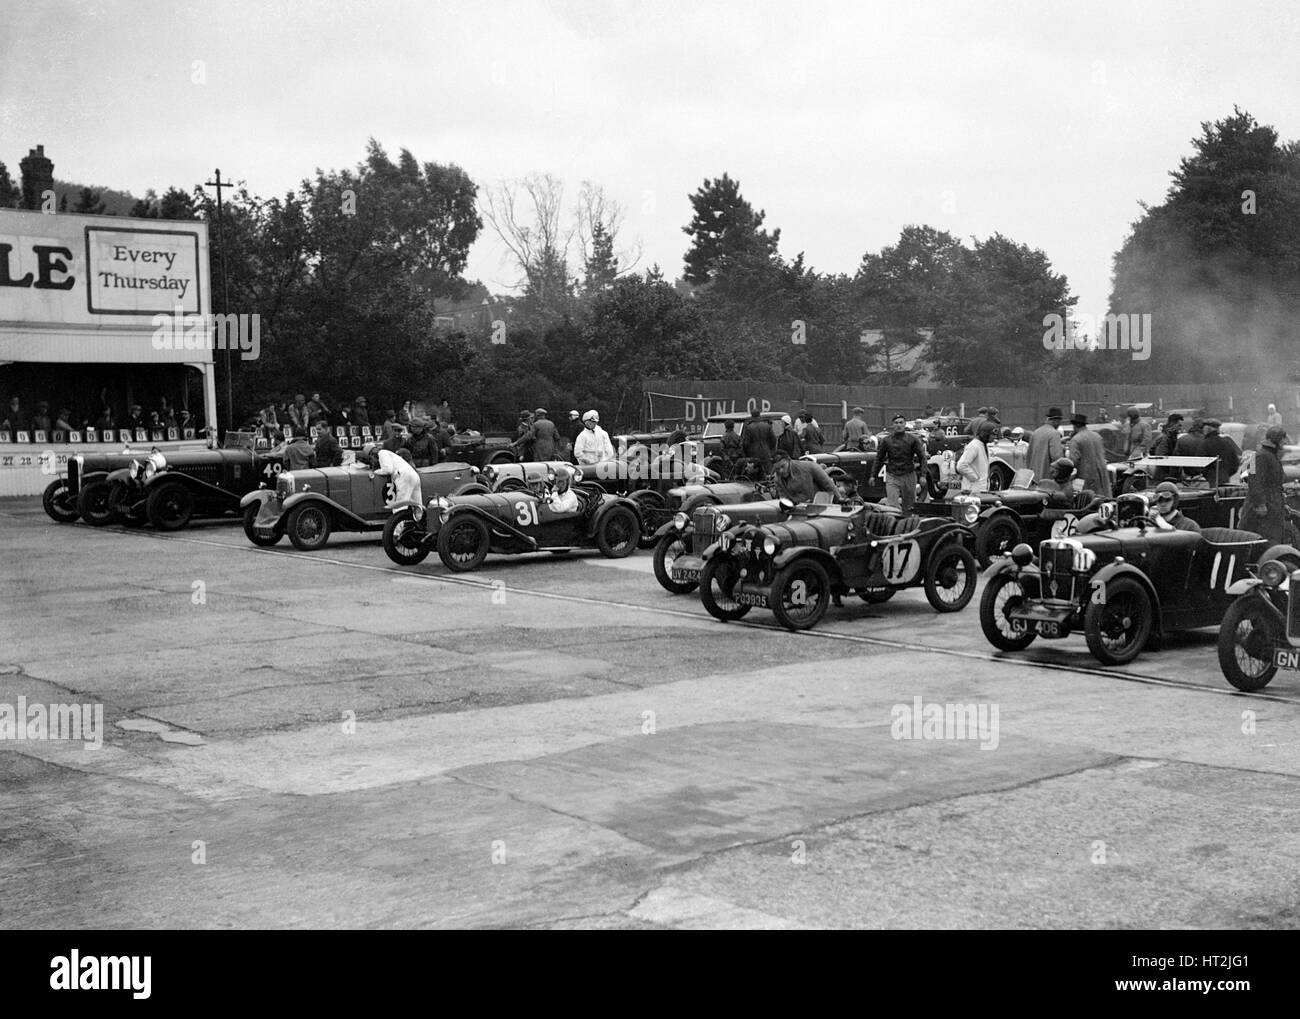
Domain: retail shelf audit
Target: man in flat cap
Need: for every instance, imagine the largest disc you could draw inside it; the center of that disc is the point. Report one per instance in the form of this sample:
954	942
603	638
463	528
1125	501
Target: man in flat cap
975	422
542	438
855	431
1222	446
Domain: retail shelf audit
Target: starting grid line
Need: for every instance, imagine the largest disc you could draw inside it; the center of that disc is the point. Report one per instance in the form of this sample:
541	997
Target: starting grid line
1143	679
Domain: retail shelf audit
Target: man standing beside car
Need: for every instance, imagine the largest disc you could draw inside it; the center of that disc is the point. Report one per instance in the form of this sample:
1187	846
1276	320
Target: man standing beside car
328	451
422	444
1264	510
1222	446
1089	455
855	431
973	464
902	459
593	445
758	441
1138	438
1045	446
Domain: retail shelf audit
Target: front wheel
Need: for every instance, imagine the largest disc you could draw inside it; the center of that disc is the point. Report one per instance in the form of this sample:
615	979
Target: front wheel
950	578
619	533
92	504
59	504
1250	630
671	546
1002	594
653	510
124	507
463	543
404	539
308	527
170	507
250	532
1000	479
717	582
800	594
997	537
1119	626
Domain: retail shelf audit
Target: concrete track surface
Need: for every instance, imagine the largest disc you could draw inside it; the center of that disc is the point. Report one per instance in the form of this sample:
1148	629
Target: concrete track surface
327	740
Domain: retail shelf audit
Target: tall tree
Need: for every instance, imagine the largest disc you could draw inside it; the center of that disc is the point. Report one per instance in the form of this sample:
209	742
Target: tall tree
724	229
89	202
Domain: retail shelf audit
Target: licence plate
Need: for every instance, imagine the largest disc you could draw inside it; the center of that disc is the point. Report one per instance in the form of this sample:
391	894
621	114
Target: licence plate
1286	658
745	598
952	483
681	575
1043	627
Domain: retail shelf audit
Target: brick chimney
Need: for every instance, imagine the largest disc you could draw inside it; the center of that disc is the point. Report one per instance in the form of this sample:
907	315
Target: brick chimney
38	177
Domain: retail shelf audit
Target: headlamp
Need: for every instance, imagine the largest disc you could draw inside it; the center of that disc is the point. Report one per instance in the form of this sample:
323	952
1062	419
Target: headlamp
724	521
680	521
769	545
1273	573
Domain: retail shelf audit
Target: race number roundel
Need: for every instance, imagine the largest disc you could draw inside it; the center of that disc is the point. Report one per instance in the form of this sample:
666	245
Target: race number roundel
901	562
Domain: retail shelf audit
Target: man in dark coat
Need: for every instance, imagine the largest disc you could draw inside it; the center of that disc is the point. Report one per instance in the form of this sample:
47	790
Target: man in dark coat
1045	446
811	437
1263	510
1089	456
758	441
1189	443
422	444
730	444
788	440
543	437
360	416
328	451
975	422
1223	447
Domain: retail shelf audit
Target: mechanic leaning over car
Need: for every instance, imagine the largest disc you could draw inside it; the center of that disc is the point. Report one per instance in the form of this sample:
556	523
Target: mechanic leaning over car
384	462
1264	509
1167	507
902	459
800	480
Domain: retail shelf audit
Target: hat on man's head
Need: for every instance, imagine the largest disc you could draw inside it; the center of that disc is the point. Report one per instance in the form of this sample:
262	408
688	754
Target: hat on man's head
993	412
591	415
785	419
540	412
899	417
1272	408
1213	423
1173	418
1275	437
1078	419
1133	412
1054	412
984	410
361	401
1017	432
857	410
573	413
753	412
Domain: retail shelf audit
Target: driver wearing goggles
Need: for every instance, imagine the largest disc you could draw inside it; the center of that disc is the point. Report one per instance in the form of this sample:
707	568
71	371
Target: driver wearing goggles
1166	506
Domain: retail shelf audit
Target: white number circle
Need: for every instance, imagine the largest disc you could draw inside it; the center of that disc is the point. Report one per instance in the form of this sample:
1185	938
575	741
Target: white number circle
901	561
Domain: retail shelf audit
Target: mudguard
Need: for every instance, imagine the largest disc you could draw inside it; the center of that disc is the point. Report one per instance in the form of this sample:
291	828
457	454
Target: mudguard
411	504
122	474
301	497
495	525
1283	552
786	556
261	495
670	527
1113	571
999	566
1245	584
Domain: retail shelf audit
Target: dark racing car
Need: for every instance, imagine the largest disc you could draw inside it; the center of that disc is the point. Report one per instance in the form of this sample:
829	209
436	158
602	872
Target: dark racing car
680	544
1123	585
821	551
310	505
465	529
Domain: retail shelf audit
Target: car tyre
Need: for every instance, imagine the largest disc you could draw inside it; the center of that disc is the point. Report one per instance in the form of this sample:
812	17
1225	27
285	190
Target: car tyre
399	531
308	526
1251	628
170	506
998	536
717	580
1000	479
124	512
653	509
250	514
59	504
798	608
1000	594
463	543
1126	613
668	548
618	533
92	504
950	577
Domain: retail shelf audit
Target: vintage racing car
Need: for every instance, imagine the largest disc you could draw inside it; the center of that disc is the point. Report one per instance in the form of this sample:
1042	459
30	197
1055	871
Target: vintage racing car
464	529
310	505
60	498
1124	585
821	551
1203	496
1260	631
680	544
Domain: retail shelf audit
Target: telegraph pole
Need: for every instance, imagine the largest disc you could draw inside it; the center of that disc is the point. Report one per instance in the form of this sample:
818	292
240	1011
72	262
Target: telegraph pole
225	287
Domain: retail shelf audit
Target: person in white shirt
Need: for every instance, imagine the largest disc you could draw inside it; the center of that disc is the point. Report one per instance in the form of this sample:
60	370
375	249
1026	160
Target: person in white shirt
973	464
592	445
406	481
563	499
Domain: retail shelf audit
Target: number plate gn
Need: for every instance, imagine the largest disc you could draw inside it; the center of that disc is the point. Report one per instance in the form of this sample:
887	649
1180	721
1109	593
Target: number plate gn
744	598
1286	658
682	575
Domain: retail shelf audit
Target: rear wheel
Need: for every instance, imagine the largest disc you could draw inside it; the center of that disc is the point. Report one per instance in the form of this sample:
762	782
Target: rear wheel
92	504
124	506
404	539
1000	478
1118	627
950	578
250	515
308	526
670	546
998	536
1002	594
618	533
463	543
800	594
654	508
170	506
1247	636
59	504
718	580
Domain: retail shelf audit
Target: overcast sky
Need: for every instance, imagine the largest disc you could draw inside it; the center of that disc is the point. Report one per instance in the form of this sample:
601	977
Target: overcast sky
1047	121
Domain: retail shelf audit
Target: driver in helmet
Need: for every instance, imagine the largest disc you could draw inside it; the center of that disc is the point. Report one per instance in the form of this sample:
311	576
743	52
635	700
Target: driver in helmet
1059	476
562	497
1166	506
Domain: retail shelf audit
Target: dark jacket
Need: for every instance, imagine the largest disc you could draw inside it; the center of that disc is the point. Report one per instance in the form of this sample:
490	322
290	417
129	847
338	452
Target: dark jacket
902	454
328	451
757	440
1222	446
299	455
544	438
789	442
1263	510
424	448
731	446
359	416
813	442
800	480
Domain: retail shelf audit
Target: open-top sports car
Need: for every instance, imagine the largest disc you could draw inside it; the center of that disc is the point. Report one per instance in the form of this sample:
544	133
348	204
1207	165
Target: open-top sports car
1260	631
310	505
167	490
1203	494
60	499
1124	585
479	450
821	551
464	529
680	544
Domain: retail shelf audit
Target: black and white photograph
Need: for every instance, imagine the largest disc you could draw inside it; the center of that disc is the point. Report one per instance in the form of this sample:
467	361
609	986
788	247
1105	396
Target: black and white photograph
564	465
